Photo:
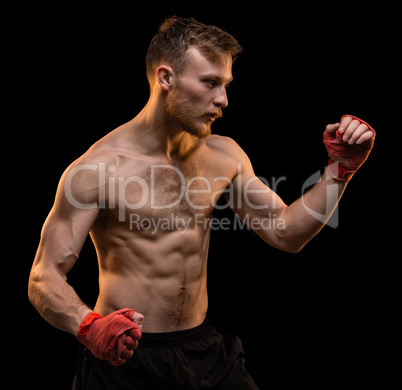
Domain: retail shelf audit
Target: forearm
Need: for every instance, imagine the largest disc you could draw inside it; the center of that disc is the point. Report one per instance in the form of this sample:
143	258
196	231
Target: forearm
289	228
305	217
56	300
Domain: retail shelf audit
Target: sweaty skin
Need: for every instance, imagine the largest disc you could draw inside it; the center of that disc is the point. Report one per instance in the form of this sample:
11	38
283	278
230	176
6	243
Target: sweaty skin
145	193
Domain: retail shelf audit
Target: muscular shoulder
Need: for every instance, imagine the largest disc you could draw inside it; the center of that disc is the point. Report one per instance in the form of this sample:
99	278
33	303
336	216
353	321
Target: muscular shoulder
224	145
98	154
230	152
83	178
106	152
227	147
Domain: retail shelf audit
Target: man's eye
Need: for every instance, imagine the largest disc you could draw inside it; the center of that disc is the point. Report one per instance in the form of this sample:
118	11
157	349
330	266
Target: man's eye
212	83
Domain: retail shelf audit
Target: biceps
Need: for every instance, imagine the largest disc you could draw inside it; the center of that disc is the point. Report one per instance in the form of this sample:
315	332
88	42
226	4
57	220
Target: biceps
254	198
262	210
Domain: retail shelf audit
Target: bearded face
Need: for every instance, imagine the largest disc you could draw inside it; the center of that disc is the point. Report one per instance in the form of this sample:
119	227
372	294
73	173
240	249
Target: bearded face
199	94
192	118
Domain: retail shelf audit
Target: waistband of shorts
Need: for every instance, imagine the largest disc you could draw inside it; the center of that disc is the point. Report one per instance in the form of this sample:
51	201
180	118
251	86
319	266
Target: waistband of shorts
173	339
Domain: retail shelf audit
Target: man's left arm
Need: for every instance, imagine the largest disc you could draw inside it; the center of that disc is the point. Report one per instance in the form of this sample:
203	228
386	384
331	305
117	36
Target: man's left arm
289	228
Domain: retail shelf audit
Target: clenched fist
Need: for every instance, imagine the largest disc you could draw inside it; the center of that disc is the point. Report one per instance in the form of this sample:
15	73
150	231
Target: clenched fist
348	144
113	337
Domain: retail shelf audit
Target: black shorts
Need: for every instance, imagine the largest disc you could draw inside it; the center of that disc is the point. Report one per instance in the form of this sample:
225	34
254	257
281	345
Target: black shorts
197	358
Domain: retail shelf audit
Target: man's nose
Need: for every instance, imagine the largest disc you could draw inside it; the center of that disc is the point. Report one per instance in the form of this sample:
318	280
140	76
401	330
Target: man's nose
221	98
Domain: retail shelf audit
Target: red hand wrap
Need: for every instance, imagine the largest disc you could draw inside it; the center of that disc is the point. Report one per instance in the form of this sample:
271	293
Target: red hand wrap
355	154
110	338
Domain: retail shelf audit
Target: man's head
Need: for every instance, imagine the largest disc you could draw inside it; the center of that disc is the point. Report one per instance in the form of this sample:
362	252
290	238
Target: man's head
192	63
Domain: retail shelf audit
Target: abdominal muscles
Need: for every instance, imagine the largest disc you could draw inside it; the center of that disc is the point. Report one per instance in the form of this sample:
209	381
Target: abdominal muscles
162	276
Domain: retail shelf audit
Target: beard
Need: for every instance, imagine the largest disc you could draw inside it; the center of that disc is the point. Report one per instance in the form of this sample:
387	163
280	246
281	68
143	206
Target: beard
183	110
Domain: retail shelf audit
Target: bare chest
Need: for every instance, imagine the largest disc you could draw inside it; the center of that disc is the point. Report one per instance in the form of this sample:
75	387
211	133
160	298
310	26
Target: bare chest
147	194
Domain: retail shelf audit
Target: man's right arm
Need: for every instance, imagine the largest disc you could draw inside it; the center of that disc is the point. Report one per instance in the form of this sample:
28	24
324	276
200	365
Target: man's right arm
63	235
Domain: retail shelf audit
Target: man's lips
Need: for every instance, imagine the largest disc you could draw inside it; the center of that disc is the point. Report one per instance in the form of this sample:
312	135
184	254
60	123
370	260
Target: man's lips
212	115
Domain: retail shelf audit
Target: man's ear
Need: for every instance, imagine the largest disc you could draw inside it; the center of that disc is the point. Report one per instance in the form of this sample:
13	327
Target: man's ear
165	77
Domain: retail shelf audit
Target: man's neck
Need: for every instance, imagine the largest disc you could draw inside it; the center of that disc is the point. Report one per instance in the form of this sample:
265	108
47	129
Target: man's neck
161	134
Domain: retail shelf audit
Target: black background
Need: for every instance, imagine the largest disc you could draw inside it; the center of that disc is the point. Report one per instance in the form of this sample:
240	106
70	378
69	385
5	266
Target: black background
320	318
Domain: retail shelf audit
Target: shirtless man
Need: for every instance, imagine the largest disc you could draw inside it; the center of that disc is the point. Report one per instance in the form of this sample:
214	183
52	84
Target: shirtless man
145	193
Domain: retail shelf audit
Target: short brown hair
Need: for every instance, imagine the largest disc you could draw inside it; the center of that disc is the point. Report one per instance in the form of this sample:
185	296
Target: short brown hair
177	34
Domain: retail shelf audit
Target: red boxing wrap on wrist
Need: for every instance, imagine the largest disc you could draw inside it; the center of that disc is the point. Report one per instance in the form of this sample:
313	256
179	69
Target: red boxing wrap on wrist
354	154
111	337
